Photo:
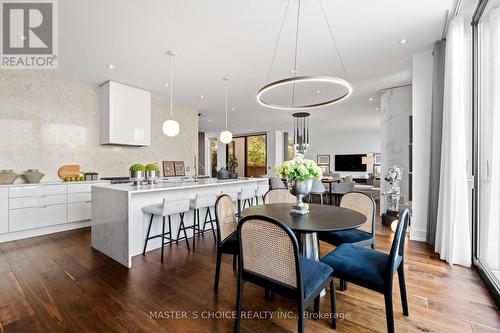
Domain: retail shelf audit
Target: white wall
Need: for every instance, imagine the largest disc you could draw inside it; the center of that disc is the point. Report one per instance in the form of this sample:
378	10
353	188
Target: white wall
325	142
422	74
47	120
275	148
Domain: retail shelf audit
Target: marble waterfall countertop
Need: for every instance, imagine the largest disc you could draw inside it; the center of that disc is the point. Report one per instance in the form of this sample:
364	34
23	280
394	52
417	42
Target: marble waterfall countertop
165	185
119	224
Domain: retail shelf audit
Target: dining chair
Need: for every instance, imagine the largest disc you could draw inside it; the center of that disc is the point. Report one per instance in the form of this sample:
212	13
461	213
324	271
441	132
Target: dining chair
373	269
269	258
339	189
279	196
277	183
364	235
319	189
227	241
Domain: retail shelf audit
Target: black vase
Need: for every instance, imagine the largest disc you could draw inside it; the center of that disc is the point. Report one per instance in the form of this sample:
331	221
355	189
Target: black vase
233	175
222	174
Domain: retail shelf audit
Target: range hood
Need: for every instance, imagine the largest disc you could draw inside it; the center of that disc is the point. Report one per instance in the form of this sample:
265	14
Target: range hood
125	115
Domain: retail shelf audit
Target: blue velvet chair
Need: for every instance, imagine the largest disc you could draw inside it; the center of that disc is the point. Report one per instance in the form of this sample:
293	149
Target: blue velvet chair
373	269
364	235
269	257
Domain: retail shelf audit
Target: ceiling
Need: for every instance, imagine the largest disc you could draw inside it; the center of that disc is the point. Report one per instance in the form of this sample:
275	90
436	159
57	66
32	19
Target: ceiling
236	38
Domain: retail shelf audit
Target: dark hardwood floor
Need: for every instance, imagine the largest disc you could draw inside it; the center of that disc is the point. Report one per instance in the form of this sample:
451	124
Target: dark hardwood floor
58	283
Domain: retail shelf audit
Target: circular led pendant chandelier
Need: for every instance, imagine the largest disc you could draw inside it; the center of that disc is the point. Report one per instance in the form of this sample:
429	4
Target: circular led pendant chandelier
294	80
171	127
226	136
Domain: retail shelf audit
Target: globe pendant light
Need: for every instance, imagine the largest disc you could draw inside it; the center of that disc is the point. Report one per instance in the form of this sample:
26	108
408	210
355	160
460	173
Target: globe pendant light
293	81
226	136
171	127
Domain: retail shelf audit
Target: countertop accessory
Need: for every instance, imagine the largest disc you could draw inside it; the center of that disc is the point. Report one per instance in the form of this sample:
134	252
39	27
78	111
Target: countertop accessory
69	170
32	176
7	176
180	169
137	173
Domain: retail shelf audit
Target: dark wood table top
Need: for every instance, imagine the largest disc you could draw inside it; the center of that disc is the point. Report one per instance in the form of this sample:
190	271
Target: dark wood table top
320	217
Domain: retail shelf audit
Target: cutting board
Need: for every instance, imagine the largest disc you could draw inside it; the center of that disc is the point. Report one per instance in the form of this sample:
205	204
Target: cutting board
69	170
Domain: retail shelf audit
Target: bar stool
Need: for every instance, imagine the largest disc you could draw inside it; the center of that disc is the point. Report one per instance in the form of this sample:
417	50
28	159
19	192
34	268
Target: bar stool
204	201
166	209
260	192
245	195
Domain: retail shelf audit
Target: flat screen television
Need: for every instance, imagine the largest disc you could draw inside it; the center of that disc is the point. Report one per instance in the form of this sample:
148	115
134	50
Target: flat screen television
351	162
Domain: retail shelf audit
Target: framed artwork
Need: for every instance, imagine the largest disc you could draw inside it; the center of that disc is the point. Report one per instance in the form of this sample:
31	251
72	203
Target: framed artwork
180	169
323	159
168	169
324	168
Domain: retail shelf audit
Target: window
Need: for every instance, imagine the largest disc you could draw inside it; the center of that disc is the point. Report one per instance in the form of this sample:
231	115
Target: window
487	114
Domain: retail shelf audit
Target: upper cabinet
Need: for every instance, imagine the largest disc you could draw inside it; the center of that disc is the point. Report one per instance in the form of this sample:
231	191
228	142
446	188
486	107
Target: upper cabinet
125	115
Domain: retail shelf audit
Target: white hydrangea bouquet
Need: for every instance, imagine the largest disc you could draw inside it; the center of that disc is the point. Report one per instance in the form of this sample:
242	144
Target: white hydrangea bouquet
299	169
300	174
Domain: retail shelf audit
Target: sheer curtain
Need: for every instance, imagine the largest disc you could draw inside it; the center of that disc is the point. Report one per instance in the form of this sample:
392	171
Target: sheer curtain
453	236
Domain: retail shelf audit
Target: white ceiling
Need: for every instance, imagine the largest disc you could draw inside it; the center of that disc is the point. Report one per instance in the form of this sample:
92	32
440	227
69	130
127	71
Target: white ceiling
236	38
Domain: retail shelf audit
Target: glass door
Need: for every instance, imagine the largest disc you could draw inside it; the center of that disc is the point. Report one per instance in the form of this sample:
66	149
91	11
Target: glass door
251	153
256	160
487	106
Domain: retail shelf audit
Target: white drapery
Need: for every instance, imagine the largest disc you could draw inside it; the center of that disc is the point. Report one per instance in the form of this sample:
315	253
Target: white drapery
453	235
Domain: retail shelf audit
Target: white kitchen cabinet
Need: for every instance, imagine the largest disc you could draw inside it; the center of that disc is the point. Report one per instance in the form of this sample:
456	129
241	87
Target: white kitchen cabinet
125	115
4	210
36	217
79	211
79	188
32	201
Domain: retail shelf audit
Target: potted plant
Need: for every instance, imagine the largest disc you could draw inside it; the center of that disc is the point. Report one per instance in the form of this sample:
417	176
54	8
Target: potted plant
137	171
232	164
152	172
299	174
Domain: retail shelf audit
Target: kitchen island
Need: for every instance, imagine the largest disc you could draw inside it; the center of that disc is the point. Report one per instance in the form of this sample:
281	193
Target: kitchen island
119	225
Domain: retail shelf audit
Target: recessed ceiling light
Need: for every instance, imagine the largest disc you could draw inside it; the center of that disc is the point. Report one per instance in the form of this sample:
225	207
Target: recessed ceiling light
318	92
209	120
294	71
403	41
370	99
202	96
21	37
166	84
376	109
232	109
111	66
250	129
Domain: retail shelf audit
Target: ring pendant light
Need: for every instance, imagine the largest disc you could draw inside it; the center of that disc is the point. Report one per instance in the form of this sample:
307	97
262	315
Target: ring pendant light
302	79
171	127
226	136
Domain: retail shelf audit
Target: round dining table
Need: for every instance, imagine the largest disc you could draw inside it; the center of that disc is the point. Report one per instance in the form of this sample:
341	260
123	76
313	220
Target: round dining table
320	218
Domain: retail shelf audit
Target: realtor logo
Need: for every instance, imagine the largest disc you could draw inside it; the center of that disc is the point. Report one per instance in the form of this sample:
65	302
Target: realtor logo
29	34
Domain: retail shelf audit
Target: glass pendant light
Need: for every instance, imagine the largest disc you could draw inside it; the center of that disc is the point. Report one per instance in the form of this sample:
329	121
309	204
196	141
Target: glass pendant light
226	136
171	127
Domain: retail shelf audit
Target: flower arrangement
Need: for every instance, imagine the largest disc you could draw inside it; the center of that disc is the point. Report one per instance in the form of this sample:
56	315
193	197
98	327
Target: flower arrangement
299	169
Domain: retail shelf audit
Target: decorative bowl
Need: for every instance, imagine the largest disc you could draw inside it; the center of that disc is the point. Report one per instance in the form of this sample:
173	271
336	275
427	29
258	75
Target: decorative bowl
7	176
32	176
